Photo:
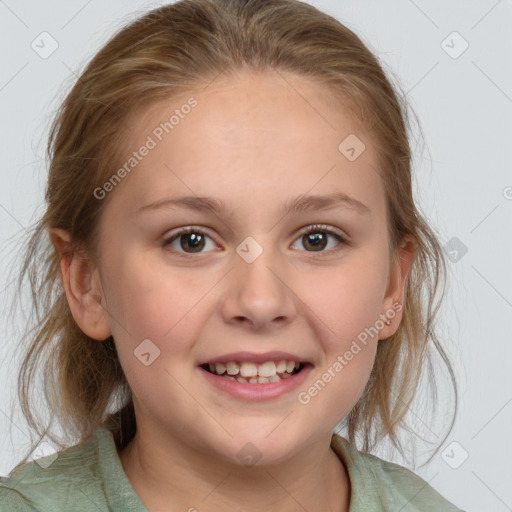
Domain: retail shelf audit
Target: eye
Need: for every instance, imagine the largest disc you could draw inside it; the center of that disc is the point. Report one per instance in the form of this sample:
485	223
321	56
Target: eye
190	240
317	236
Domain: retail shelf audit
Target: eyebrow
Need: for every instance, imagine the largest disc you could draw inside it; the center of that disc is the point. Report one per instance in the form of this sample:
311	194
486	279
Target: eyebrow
298	204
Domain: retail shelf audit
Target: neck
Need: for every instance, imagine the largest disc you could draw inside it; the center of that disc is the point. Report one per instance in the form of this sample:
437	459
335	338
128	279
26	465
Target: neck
168	475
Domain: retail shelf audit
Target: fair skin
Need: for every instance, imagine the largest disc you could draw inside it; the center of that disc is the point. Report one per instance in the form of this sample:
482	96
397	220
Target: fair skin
254	143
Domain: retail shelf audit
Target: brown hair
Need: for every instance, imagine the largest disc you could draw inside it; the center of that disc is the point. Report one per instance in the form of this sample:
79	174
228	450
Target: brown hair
165	53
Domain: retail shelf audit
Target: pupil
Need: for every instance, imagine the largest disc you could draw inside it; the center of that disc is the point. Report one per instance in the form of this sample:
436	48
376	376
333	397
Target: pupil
316	240
197	241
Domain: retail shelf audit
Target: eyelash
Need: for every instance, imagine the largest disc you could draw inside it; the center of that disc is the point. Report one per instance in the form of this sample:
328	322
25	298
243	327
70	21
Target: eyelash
315	228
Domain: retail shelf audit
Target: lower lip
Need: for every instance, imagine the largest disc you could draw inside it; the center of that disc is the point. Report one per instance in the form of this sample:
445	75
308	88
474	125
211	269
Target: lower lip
257	392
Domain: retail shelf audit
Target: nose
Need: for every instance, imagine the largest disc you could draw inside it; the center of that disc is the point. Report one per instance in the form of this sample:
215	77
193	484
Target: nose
258	294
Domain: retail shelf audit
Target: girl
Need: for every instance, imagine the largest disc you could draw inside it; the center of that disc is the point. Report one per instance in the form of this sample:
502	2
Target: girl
230	264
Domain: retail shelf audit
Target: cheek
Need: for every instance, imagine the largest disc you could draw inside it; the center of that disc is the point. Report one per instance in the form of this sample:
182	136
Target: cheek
346	306
153	317
149	299
347	300
338	385
156	303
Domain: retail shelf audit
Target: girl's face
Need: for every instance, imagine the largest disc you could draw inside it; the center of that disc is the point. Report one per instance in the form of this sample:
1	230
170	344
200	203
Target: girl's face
247	166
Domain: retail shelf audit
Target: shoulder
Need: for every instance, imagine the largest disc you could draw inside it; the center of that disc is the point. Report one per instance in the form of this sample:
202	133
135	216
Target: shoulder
54	482
12	501
384	486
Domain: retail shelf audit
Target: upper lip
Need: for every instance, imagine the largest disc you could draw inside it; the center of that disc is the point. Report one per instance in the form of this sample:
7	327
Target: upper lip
255	358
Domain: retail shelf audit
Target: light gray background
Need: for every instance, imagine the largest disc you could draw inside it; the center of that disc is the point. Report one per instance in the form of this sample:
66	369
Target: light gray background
463	184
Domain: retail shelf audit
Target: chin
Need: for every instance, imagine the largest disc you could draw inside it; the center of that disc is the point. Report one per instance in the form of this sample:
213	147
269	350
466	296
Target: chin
254	446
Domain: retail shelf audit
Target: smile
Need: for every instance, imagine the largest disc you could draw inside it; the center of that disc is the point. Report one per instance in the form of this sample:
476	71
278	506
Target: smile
251	373
263	378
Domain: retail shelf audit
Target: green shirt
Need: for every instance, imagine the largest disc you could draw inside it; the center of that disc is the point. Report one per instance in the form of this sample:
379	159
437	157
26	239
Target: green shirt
90	478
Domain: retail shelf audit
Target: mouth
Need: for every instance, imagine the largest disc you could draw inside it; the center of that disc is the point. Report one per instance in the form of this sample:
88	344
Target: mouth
248	372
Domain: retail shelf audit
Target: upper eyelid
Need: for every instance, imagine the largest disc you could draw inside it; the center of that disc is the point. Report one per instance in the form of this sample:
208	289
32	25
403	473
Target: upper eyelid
305	229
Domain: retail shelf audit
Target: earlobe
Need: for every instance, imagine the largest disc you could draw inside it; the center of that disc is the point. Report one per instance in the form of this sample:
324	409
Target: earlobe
82	285
395	295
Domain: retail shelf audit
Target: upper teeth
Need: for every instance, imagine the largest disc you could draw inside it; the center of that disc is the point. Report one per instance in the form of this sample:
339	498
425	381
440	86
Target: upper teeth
249	369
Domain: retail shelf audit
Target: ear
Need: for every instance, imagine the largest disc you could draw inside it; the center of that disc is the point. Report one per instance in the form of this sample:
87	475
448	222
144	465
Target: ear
83	288
395	294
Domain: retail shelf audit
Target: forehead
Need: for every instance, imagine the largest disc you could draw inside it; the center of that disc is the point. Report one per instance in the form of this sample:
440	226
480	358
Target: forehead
253	135
261	103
